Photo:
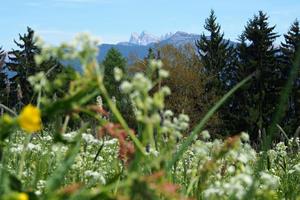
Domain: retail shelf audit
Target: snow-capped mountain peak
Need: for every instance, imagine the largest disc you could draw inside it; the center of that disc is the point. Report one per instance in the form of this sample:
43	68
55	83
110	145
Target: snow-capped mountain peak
143	39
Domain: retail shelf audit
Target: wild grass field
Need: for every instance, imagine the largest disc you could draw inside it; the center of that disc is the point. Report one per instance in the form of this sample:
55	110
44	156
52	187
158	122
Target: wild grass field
41	158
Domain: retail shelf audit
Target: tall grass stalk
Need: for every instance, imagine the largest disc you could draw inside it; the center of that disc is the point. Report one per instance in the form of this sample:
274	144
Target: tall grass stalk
23	155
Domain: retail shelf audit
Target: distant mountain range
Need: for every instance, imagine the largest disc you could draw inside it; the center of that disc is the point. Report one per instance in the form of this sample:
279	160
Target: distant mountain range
139	44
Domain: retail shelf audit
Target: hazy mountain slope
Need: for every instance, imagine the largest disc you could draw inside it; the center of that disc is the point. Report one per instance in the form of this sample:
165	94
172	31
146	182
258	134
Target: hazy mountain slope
139	44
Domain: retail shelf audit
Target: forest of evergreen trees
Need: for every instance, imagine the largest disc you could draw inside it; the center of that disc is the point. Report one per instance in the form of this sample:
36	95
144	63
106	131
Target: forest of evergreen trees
197	78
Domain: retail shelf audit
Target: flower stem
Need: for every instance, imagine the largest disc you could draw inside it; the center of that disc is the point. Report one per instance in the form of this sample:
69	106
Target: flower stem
23	154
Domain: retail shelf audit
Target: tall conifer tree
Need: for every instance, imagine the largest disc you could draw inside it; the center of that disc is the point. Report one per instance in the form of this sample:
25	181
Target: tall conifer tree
234	115
212	49
259	55
289	48
22	62
114	59
219	61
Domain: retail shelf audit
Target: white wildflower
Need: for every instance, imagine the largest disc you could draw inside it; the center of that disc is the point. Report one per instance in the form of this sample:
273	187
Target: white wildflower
168	113
245	137
165	90
205	134
118	73
99	101
163	73
268	180
95	175
34	147
156	64
126	87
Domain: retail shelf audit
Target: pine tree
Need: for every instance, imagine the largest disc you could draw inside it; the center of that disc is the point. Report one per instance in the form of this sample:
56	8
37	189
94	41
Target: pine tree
22	62
151	54
219	60
236	117
260	56
214	51
291	43
113	59
289	48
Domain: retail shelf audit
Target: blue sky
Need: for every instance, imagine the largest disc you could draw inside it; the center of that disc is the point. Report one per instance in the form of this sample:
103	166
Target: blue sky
114	20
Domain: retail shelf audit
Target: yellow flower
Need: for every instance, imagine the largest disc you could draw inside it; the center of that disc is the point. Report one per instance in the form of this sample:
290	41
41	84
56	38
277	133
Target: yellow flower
30	119
22	196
